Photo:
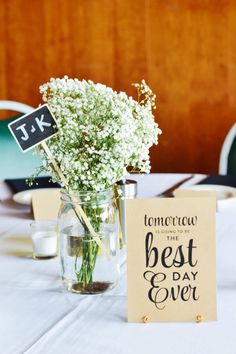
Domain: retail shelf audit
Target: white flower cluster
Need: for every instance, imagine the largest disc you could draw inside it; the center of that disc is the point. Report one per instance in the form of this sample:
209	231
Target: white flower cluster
101	132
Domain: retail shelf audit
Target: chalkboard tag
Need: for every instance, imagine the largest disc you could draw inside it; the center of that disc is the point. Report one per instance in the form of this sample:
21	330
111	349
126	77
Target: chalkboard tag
33	128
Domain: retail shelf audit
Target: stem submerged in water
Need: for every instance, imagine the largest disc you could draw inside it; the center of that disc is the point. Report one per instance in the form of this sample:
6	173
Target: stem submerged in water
89	249
89	256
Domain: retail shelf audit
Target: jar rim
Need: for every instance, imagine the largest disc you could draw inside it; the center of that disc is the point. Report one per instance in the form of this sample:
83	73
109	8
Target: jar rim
86	196
86	192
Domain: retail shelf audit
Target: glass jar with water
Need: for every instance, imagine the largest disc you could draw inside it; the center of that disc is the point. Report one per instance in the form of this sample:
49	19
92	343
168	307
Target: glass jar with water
89	241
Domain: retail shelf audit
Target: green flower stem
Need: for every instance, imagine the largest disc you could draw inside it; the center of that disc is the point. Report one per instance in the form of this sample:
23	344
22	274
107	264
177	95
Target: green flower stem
89	249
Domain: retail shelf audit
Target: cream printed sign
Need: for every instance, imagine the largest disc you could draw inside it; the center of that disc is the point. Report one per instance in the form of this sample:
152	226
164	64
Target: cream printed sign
171	259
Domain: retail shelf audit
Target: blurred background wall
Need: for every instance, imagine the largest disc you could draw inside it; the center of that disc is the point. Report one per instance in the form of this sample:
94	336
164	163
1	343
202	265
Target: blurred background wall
184	49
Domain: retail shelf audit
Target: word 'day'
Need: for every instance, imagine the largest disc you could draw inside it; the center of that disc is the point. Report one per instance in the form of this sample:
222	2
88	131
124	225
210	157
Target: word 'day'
33	128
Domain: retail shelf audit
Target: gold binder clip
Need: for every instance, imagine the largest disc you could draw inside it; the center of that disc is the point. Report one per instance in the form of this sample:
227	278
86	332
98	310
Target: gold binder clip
199	318
145	319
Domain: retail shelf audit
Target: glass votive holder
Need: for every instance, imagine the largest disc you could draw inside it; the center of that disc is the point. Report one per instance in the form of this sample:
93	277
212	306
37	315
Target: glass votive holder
44	239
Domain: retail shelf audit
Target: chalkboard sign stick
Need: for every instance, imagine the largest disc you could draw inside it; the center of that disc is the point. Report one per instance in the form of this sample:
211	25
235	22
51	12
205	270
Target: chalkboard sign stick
78	208
35	128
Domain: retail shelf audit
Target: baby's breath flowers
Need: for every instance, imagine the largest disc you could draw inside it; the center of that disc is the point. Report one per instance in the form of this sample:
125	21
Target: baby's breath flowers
101	133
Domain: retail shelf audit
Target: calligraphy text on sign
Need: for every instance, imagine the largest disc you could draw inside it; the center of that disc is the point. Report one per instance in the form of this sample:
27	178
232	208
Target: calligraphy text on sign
33	128
173	256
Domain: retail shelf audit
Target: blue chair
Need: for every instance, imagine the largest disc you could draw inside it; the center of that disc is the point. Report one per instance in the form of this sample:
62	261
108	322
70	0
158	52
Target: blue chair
13	162
227	164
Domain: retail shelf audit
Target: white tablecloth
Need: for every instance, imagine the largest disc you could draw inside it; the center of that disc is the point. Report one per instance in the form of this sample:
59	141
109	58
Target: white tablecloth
38	316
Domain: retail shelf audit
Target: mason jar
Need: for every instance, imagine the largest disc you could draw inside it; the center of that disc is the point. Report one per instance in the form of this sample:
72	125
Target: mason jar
89	241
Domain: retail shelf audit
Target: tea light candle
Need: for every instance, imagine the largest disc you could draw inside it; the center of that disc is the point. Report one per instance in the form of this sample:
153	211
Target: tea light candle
44	239
44	243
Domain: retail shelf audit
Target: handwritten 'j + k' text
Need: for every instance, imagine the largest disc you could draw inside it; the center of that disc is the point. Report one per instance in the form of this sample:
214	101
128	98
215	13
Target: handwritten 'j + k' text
39	126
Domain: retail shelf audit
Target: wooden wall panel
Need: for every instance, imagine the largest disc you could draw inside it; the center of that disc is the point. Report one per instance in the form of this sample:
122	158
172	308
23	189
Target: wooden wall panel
186	51
3	36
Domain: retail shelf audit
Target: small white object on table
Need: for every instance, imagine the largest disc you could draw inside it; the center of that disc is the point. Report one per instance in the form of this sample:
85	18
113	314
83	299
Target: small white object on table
44	238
